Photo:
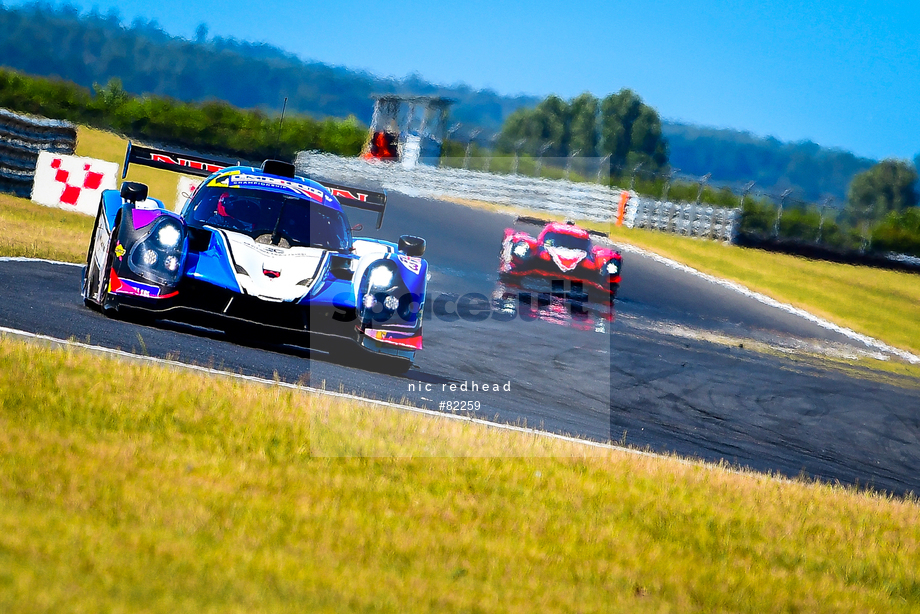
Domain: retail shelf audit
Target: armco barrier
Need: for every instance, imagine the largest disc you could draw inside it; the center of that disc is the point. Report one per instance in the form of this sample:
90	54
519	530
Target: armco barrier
567	198
683	218
586	201
22	137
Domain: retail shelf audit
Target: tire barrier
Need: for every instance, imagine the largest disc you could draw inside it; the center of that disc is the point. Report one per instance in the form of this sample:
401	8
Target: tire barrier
22	137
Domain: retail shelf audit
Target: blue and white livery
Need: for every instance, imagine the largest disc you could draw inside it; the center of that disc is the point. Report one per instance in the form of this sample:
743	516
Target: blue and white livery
261	250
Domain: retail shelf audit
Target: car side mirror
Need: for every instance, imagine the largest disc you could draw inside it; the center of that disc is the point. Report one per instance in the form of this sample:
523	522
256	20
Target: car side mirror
340	267
133	191
411	246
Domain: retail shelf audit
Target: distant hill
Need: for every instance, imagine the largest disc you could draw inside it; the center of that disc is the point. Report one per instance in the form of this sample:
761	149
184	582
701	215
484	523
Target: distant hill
734	158
46	41
91	49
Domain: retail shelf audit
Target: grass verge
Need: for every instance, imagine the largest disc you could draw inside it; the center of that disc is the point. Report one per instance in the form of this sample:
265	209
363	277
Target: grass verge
875	302
166	490
33	231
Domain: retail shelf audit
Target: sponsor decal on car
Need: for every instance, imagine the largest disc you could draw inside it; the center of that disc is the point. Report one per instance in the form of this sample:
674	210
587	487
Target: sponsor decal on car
117	285
566	259
413	264
339	192
178	161
236	179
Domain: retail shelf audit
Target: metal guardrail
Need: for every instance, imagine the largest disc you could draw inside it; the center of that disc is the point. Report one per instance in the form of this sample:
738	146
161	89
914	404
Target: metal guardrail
576	200
21	138
686	219
560	197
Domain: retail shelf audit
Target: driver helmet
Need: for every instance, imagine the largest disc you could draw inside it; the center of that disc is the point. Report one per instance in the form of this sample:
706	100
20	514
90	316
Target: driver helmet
237	207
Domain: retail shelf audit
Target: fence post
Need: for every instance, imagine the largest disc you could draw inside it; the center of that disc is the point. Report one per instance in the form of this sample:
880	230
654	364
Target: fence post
824	206
469	144
517	150
600	167
779	213
703	181
667	183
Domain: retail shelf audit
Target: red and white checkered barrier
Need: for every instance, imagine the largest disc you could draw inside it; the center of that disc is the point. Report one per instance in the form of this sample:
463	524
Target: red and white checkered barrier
72	182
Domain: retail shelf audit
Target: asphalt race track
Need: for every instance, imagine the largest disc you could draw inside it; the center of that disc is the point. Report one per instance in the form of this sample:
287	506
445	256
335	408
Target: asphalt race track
684	365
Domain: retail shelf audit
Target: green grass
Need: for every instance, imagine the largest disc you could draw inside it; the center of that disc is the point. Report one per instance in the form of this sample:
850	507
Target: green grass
33	231
876	302
108	146
162	490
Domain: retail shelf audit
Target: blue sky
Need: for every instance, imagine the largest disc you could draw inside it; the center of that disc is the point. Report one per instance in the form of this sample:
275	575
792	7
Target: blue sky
842	73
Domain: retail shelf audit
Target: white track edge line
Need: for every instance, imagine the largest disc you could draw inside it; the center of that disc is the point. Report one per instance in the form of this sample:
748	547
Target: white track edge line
766	300
309	389
25	259
710	465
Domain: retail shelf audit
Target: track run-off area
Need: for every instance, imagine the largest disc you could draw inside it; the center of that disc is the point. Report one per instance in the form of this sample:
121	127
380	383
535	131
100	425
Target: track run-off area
686	364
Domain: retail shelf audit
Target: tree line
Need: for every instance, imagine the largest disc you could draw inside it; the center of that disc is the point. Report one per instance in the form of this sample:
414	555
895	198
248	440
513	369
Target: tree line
93	47
735	158
212	126
620	127
880	212
46	40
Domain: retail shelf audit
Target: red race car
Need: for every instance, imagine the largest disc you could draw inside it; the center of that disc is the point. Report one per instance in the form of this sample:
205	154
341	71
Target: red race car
562	253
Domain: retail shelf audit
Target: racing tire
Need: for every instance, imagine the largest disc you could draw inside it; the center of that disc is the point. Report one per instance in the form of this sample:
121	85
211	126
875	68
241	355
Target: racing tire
90	271
106	304
87	280
411	246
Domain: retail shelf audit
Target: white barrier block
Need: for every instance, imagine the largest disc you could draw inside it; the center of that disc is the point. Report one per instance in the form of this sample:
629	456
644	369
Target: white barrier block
72	182
185	189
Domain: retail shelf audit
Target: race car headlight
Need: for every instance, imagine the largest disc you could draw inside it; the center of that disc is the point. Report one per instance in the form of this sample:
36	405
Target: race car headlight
384	299
520	250
168	235
613	268
380	277
157	257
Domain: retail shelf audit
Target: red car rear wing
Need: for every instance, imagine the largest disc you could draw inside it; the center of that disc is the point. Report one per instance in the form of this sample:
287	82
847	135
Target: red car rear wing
357	198
536	221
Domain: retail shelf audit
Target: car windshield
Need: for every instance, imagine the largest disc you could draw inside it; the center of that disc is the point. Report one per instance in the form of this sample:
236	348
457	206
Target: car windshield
271	217
558	239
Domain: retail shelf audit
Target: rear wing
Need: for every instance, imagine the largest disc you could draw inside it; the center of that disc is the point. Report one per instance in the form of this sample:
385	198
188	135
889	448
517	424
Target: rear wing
359	199
170	161
537	221
190	164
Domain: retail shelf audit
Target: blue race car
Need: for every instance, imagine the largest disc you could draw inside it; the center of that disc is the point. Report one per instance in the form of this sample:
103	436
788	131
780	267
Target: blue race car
257	249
